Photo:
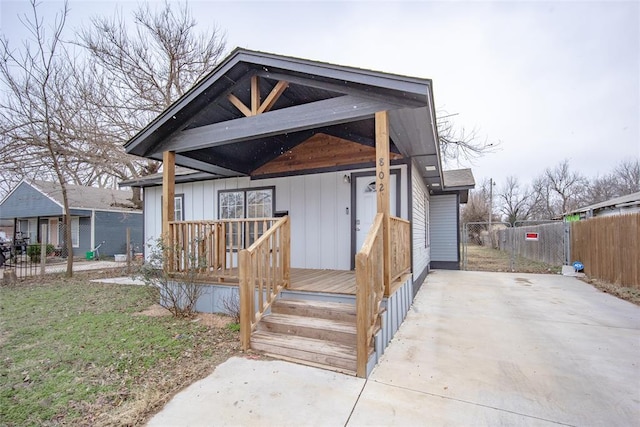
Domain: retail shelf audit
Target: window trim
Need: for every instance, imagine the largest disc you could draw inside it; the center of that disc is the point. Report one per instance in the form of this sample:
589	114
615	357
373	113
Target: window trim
177	197
75	222
244	206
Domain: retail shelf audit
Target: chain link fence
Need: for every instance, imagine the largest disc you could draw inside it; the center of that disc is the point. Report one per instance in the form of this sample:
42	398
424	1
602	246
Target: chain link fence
31	254
525	246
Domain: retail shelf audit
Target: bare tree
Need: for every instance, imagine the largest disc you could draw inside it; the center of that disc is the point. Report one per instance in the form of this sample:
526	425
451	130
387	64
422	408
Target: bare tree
139	71
517	201
35	79
557	191
458	144
627	174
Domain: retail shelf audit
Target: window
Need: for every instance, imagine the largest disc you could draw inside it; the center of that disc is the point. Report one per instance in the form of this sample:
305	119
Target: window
75	231
249	203
178	207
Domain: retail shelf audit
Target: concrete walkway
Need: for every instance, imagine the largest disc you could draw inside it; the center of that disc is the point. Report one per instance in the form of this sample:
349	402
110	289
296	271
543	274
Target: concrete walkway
476	349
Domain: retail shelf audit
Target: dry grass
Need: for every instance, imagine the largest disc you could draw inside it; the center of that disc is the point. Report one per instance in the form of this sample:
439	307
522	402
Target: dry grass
482	258
628	294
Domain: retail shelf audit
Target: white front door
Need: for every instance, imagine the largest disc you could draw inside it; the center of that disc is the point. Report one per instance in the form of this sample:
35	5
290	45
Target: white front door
366	205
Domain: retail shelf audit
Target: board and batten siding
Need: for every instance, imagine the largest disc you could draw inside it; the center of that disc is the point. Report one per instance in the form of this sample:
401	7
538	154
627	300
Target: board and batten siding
319	207
419	224
444	231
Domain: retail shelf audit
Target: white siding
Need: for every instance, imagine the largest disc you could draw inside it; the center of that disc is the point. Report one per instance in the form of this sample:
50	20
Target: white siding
419	223
444	231
319	206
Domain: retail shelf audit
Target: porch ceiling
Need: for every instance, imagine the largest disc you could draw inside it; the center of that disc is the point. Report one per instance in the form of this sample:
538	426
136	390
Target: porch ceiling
210	133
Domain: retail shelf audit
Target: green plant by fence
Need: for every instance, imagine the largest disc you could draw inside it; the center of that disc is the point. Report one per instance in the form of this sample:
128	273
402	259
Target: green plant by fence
609	248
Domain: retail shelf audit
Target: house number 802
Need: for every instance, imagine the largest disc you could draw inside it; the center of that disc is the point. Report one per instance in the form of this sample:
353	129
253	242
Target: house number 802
381	174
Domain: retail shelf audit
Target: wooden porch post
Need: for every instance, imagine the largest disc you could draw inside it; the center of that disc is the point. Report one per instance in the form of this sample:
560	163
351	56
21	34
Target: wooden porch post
382	190
168	191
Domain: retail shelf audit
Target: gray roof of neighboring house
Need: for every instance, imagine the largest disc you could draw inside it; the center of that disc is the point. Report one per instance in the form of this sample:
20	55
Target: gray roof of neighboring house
81	197
617	202
458	178
182	174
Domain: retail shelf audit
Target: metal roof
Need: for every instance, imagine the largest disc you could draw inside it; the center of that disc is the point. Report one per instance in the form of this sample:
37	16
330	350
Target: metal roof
210	134
632	199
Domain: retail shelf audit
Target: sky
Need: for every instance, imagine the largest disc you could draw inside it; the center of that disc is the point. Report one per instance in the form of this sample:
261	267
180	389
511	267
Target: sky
545	81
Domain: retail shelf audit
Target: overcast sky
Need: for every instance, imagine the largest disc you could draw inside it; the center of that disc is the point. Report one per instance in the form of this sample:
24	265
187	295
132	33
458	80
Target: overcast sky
549	80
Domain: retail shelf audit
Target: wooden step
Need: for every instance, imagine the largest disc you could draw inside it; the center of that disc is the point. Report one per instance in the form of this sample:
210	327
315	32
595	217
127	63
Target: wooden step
320	309
310	327
314	352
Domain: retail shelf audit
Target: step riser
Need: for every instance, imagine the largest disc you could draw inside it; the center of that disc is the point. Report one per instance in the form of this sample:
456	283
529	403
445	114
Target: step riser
308	332
302	355
316	312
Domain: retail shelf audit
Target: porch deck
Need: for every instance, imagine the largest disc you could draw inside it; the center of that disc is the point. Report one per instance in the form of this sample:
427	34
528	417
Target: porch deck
328	281
309	280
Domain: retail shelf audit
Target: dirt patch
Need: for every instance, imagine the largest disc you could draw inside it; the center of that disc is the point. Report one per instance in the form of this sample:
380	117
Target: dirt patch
210	320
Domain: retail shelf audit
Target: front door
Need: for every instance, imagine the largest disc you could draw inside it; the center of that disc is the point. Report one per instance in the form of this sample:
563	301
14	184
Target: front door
366	205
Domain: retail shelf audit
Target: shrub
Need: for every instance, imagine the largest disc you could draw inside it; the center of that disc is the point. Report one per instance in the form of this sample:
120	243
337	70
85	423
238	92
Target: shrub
33	251
178	294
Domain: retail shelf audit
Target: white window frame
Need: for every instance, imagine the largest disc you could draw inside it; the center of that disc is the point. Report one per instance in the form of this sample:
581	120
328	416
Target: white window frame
178	207
75	231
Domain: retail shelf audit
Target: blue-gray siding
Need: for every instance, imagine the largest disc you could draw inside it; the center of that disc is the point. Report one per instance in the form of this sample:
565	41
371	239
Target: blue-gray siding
111	227
27	202
443	212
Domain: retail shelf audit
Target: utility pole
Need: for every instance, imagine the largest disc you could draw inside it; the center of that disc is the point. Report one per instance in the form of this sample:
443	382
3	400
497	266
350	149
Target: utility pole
490	202
490	210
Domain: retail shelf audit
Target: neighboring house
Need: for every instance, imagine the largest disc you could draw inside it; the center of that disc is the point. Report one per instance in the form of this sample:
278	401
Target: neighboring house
97	215
616	206
6	229
344	166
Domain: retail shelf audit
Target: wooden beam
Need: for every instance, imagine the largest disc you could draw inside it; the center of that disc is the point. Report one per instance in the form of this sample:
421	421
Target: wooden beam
239	105
255	95
327	112
382	189
168	190
273	96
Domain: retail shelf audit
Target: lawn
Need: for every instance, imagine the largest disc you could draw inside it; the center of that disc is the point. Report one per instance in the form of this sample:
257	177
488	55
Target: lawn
78	353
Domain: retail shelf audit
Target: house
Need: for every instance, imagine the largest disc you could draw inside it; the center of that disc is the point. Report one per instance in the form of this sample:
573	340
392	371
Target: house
315	193
629	203
97	215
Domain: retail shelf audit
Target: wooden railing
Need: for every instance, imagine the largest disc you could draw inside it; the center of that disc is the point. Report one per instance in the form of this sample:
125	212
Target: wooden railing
211	248
264	271
369	291
399	251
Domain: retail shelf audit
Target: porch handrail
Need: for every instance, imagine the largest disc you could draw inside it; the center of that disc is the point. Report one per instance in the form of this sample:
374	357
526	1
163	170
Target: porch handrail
399	251
369	291
212	247
264	270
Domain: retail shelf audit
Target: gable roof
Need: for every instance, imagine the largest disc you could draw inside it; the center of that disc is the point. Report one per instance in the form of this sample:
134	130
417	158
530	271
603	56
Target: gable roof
81	197
628	200
210	133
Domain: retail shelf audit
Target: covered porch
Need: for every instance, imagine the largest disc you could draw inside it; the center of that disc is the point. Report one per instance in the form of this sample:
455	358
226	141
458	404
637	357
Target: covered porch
265	117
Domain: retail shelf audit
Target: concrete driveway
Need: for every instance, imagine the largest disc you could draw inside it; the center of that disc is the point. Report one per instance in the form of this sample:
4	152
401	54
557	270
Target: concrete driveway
476	349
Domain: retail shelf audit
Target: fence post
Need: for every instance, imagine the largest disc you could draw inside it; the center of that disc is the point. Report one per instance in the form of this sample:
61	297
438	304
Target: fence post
128	250
43	249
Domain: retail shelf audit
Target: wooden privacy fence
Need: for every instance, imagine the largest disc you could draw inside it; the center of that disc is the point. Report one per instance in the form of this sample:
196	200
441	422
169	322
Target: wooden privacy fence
369	291
609	248
264	271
